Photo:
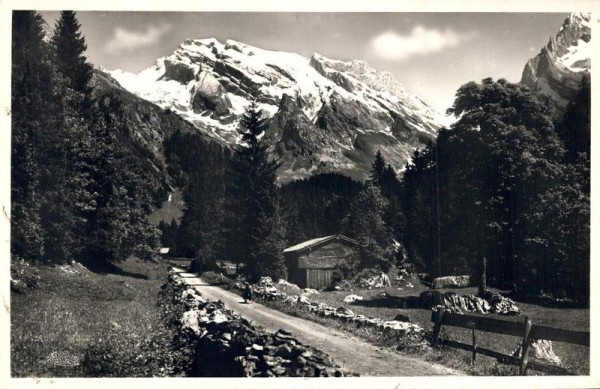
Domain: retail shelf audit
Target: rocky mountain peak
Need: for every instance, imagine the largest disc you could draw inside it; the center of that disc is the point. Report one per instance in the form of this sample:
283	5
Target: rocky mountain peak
327	115
558	69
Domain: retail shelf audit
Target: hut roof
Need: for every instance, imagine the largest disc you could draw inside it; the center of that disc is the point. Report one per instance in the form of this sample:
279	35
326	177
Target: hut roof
318	242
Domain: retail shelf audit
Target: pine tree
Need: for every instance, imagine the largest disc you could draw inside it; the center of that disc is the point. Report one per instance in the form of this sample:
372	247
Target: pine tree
31	114
71	151
258	233
70	46
384	177
376	175
204	217
365	223
118	225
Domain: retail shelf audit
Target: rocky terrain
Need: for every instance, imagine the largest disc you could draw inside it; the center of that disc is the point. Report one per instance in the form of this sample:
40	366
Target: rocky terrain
327	115
558	69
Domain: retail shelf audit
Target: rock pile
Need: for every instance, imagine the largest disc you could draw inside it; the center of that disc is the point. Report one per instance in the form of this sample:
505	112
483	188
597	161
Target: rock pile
451	282
494	303
229	346
379	281
285	283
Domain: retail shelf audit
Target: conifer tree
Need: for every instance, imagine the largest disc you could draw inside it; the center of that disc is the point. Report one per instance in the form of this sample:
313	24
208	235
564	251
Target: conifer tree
383	176
259	232
365	223
377	170
70	46
31	114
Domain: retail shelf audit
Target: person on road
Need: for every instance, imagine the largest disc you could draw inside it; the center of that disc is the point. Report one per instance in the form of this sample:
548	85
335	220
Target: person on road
247	294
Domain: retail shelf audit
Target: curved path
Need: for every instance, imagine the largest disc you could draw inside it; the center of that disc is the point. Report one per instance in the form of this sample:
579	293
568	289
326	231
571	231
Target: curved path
348	351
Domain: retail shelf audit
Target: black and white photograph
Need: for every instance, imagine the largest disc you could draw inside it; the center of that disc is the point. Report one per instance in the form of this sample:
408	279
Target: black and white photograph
358	192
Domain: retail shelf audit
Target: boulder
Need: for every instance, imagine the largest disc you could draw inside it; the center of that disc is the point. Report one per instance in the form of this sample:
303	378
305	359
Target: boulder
179	71
379	281
283	282
352	298
219	318
309	291
265	282
542	350
18	286
341	311
503	305
189	321
209	94
401	317
452	282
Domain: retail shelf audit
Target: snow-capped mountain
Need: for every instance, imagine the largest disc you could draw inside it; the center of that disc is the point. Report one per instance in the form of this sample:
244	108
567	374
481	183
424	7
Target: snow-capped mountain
327	115
558	69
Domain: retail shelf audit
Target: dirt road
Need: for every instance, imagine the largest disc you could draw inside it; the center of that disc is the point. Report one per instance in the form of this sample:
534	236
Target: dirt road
348	351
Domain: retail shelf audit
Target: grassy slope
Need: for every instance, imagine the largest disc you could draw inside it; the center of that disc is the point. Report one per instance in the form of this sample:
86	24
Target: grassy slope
169	210
68	312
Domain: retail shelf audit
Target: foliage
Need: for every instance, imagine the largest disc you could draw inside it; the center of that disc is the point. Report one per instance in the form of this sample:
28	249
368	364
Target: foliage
575	124
315	206
384	177
201	167
337	277
76	191
483	190
31	74
365	223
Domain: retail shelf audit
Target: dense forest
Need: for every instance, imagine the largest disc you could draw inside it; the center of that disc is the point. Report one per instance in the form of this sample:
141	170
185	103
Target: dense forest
504	193
77	192
508	186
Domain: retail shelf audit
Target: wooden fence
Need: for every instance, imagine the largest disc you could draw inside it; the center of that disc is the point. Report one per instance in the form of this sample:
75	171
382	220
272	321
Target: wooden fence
524	330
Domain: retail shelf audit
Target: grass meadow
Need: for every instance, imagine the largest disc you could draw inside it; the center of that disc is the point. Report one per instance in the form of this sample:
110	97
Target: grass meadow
78	323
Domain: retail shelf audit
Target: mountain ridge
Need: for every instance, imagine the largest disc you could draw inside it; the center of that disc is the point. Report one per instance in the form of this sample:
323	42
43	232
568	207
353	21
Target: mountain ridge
326	115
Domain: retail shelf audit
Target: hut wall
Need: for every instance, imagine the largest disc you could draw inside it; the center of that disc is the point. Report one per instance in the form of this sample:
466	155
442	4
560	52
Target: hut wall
318	264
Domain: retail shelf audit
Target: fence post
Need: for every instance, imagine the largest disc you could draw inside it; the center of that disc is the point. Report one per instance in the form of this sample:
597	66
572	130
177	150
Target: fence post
438	325
525	347
474	343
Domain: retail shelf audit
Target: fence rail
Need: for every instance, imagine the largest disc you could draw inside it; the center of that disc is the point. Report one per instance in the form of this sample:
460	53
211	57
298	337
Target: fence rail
524	330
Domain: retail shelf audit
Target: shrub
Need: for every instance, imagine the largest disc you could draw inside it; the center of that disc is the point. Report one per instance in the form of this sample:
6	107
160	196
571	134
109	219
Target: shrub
337	277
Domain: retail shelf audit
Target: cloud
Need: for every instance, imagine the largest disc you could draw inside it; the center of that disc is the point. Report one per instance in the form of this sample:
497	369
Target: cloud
125	40
421	40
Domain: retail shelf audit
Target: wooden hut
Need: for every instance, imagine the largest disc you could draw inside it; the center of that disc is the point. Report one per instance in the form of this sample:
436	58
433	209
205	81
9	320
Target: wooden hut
311	264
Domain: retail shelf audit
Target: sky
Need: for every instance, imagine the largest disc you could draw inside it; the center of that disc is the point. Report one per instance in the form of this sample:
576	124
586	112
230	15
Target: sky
431	54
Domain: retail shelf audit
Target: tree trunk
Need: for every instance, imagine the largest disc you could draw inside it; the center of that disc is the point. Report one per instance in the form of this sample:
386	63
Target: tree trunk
483	277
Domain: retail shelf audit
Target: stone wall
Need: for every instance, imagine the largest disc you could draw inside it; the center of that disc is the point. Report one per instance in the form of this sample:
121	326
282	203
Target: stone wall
229	346
409	333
